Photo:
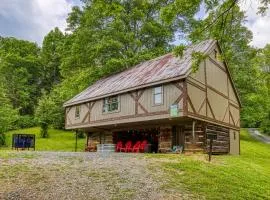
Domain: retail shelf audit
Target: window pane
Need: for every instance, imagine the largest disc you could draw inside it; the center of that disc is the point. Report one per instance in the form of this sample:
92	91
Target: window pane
110	104
157	90
158	99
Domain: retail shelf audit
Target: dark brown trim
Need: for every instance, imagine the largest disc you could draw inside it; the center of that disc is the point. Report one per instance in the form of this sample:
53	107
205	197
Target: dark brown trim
140	94
201	106
196	85
217	64
177	84
231	104
124	117
202	117
229	75
136	98
191	104
205	82
143	108
225	113
185	98
218	92
237	123
161	82
179	98
68	109
70	122
211	110
194	80
232	118
86	116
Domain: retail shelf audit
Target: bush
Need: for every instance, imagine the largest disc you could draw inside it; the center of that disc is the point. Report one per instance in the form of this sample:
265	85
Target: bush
26	121
265	125
2	139
44	130
81	134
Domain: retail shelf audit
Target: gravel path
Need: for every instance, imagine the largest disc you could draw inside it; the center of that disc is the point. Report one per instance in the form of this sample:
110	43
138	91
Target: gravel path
256	134
63	175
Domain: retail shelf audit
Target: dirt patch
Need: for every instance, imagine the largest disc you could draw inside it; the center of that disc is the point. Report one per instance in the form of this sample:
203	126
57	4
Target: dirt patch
62	175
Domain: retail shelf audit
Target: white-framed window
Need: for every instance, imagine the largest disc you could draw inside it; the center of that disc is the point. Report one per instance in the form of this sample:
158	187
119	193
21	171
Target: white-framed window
111	104
158	95
77	112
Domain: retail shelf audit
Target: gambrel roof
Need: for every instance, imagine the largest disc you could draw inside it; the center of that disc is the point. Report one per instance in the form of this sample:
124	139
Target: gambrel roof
152	72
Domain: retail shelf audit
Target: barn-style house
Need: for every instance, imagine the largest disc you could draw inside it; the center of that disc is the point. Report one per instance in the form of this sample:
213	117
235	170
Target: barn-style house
164	104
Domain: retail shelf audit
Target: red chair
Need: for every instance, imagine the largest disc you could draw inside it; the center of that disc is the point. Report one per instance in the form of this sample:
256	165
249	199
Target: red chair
119	145
136	147
142	146
127	148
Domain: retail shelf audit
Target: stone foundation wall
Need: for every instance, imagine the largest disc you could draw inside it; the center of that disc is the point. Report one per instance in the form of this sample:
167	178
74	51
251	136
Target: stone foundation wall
165	139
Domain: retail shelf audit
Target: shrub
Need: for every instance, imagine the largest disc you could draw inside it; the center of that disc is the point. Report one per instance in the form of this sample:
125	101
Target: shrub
26	121
44	130
2	139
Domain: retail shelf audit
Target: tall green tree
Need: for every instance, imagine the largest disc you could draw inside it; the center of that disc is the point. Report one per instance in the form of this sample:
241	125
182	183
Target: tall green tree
107	36
51	58
20	73
8	116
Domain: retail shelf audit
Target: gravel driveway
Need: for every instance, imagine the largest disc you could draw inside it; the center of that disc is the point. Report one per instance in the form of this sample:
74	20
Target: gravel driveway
63	175
256	134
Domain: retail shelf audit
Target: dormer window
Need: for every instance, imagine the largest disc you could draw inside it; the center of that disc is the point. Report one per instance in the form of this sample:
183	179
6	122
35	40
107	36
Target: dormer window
111	104
77	112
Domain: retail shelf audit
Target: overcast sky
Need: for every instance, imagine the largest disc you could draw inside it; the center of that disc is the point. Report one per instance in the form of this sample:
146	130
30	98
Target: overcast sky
33	19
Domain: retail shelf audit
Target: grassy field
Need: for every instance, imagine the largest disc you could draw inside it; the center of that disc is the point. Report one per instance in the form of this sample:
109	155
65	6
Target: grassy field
59	140
228	177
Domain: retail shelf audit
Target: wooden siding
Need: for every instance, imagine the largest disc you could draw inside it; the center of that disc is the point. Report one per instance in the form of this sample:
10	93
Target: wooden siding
194	141
211	96
134	106
222	143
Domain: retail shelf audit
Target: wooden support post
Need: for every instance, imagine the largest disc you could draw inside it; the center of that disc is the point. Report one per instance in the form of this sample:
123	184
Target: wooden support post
193	131
76	143
210	150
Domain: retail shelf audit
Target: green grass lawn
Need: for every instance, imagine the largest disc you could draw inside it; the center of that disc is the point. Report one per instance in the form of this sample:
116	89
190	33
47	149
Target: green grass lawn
228	177
59	140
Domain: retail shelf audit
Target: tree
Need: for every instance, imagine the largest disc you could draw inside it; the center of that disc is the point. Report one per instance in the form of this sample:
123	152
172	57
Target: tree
242	59
20	73
109	36
45	114
8	116
51	58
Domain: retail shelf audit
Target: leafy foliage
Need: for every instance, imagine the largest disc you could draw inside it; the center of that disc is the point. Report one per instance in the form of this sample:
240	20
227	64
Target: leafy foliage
197	59
108	36
179	50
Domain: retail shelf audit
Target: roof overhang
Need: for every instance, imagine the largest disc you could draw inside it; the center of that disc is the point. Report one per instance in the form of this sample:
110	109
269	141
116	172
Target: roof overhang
126	90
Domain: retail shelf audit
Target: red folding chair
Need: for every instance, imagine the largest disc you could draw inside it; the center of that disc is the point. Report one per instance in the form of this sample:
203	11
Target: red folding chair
136	147
119	145
127	148
142	146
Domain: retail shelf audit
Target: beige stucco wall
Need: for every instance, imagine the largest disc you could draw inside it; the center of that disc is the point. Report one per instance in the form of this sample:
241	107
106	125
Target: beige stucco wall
234	142
212	83
127	113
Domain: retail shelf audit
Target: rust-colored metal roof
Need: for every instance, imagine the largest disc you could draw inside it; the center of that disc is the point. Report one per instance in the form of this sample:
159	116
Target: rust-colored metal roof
147	73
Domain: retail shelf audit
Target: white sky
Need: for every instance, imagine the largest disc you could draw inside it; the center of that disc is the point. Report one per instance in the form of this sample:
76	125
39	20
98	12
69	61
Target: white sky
33	19
259	25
